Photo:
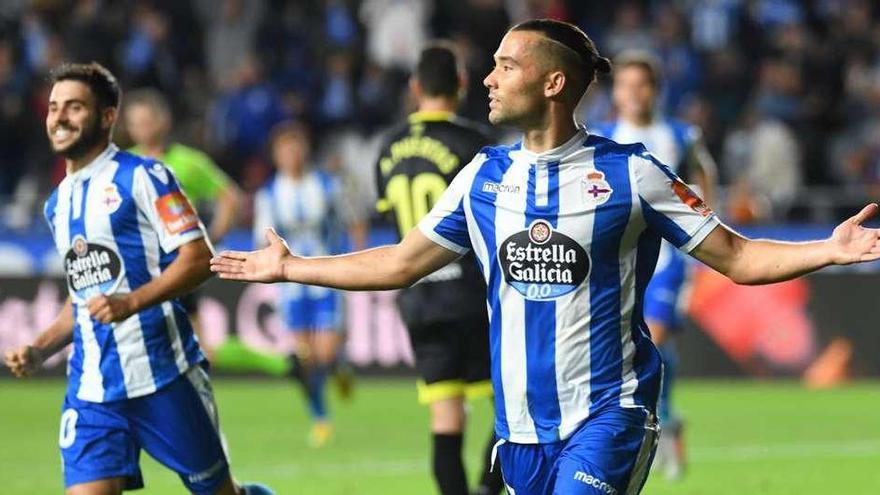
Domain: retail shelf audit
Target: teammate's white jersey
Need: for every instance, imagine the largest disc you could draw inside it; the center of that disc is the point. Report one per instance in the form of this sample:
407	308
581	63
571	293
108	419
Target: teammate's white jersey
118	223
306	212
667	139
567	241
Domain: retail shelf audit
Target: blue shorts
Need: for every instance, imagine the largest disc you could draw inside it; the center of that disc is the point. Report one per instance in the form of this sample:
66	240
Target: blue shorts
177	425
664	291
610	454
306	308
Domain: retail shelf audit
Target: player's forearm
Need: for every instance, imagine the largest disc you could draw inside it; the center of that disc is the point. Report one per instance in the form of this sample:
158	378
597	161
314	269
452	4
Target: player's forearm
373	269
226	213
58	335
189	270
760	262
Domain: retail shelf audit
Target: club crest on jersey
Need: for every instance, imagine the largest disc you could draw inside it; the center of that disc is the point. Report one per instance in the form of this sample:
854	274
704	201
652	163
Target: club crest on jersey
690	198
595	190
91	269
542	263
111	200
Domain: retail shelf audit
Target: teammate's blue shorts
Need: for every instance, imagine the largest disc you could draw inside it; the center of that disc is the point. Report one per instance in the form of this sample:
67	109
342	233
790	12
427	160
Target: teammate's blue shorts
663	294
610	454
177	425
307	308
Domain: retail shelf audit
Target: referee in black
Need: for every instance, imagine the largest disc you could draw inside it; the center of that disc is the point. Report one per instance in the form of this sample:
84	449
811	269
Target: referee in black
445	313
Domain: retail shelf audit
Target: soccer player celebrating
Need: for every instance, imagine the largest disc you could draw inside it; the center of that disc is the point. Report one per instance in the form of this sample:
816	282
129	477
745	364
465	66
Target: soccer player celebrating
148	121
309	205
131	244
566	227
444	313
679	146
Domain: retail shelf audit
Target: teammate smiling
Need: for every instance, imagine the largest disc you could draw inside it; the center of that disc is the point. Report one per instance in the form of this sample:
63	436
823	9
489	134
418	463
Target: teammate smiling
575	374
132	244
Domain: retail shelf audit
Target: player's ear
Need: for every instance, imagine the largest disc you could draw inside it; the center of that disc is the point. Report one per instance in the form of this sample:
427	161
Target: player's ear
554	84
109	116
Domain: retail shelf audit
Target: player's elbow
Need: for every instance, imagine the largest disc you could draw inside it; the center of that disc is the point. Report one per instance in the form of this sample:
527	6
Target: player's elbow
405	276
743	277
196	256
741	270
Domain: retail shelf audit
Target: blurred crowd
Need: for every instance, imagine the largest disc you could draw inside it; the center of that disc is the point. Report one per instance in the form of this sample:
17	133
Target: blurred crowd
787	92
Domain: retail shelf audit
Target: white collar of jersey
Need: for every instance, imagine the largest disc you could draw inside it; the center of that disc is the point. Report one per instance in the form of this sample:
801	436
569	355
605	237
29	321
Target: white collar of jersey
97	164
560	151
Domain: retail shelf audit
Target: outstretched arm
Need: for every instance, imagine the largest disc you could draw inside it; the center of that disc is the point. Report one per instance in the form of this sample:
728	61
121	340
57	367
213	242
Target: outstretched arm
387	267
755	262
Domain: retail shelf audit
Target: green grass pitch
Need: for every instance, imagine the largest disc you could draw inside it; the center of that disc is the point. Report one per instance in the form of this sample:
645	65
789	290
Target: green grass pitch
744	438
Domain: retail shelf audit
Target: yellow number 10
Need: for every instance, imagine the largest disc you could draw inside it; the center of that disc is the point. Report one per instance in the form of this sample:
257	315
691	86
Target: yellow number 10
412	200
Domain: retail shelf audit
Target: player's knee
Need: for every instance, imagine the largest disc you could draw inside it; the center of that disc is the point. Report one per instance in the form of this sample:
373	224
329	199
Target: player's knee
448	416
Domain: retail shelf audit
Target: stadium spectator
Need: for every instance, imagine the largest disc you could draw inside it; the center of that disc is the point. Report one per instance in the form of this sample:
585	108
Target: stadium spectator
230	36
808	64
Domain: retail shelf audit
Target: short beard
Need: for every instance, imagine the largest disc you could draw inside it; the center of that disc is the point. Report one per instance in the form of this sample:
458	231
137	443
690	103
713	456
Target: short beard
91	136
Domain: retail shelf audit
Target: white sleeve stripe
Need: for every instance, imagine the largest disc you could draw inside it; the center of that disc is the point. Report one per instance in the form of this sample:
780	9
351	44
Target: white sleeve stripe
180	239
442	241
700	233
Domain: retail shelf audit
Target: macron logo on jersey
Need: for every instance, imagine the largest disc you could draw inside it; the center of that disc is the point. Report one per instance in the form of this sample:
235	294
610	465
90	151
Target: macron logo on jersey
595	482
494	187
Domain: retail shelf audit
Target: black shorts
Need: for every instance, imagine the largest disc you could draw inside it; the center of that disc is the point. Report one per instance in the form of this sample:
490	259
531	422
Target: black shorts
452	359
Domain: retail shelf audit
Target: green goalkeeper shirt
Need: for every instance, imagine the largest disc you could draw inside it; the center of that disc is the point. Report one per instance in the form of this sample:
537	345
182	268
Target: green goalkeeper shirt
200	178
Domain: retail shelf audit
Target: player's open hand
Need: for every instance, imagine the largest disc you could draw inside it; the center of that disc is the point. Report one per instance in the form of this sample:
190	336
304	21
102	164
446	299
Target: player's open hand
111	309
852	243
23	361
265	265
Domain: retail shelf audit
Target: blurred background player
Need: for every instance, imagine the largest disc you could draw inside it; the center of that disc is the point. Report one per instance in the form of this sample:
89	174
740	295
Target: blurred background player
148	122
445	312
131	244
678	144
308	206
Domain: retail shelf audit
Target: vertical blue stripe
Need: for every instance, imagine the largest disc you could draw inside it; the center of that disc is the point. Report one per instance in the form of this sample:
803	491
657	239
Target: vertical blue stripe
647	362
188	341
272	194
483	211
540	328
606	353
49	210
126	231
75	365
109	365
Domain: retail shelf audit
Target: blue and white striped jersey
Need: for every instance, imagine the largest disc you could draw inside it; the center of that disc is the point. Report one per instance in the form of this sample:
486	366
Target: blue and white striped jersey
669	140
118	223
567	241
306	213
